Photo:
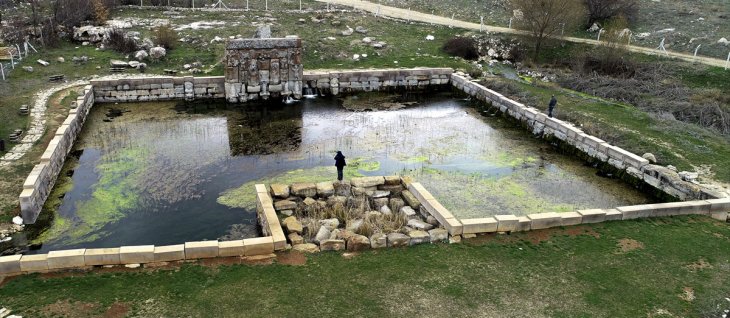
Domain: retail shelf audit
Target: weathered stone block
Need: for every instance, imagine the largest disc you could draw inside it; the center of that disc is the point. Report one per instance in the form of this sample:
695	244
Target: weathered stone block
66	258
332	245
593	215
570	218
325	189
544	220
523	224
719	205
438	235
358	243
292	225
636	211
34	263
258	246
101	256
201	249
398	240
506	223
137	254
378	240
614	215
418	237
365	182
295	239
720	216
285	205
169	253
10	264
392	180
304	190
230	248
480	225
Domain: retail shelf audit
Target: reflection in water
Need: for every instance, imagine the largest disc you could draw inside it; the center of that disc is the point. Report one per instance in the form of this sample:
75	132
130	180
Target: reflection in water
162	174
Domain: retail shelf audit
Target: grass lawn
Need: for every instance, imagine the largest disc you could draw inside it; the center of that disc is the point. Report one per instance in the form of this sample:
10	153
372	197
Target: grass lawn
666	267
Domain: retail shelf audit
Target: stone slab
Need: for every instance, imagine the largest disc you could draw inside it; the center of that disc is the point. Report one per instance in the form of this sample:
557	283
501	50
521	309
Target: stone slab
66	258
720	216
480	225
169	253
332	245
506	222
101	256
719	205
592	215
614	215
34	263
10	264
523	224
544	220
636	211
570	218
201	249
366	182
258	246
137	254
230	248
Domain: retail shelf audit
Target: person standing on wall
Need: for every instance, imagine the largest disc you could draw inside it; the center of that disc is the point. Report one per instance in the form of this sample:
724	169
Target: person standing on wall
551	106
340	164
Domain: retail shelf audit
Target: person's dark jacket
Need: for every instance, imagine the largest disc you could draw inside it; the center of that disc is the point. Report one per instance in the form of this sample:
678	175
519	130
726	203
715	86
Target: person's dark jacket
553	102
340	160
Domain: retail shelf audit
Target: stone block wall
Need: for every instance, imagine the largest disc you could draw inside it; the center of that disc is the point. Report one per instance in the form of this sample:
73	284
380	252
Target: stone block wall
160	88
661	178
40	181
336	82
267	217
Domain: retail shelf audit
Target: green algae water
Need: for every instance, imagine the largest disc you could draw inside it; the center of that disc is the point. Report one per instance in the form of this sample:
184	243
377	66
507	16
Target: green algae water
166	173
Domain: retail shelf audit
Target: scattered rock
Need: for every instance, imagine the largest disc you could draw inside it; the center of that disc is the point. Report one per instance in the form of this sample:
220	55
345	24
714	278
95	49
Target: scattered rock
134	64
361	30
322	234
343	189
594	28
378	240
419	237
28	69
293	225
419	225
379	45
304	189
430	38
348	32
358	243
325	189
141	55
408	212
287	212
354	224
280	190
367	40
132	265
432	220
438	235
330	224
344	235
285	205
337	199
689	176
17	220
650	157
296	239
723	41
118	63
217	39
410	199
365	182
60	59
379	203
309	202
332	245
398	240
157	52
306	248
386	210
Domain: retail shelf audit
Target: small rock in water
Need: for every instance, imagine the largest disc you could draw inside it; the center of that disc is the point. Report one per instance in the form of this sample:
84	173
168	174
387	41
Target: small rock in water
17	220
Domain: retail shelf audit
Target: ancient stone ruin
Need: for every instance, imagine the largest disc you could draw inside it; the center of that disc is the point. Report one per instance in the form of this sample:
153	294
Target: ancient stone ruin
263	67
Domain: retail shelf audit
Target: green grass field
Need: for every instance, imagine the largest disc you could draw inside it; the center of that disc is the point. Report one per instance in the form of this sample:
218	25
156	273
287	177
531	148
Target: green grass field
666	267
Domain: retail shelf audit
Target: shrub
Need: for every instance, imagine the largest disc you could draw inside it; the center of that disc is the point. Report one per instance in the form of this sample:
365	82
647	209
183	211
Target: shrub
603	10
465	48
166	36
118	41
100	11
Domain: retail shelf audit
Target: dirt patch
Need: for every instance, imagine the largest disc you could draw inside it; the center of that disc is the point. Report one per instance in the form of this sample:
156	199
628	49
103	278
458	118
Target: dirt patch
698	265
291	258
627	245
66	308
688	294
117	310
259	260
218	261
535	236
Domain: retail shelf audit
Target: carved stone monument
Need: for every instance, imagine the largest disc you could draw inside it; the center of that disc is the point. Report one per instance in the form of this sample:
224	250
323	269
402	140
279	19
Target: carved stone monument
263	67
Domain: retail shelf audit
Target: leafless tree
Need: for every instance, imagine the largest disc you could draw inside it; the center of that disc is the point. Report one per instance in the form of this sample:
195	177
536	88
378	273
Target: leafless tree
602	10
546	18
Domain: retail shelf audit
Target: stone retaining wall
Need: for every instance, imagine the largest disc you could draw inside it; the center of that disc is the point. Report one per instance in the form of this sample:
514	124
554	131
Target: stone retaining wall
40	181
661	178
160	88
336	82
126	255
267	217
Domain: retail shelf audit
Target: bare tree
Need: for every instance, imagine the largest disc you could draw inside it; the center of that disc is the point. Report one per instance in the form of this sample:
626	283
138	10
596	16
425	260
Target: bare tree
602	10
546	18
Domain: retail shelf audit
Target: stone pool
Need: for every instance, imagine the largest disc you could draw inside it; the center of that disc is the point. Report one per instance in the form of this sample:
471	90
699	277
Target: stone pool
166	173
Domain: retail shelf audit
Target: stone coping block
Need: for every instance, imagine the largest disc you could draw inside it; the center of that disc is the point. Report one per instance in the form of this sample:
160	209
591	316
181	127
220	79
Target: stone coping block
169	253
506	222
66	258
544	220
614	215
420	192
201	249
454	226
681	208
137	254
720	216
366	182
480	225
570	218
230	248
10	264
258	246
523	224
719	205
592	215
101	256
636	211
261	188
34	263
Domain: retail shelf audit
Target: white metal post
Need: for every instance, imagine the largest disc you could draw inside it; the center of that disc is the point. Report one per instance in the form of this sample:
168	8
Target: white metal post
25	45
31	46
481	24
562	29
510	23
451	23
378	12
300	5
12	59
20	53
267	5
2	70
727	62
246	5
697	49
193	4
599	35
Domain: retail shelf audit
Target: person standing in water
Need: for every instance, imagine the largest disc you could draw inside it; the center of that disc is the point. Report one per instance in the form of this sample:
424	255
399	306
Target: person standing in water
340	164
551	106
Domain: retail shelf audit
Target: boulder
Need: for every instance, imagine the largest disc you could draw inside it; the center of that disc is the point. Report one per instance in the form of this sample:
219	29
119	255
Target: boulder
354	224
118	63
334	235
325	189
408	212
330	224
358	243
280	190
419	225
347	32
378	194
378	240
309	202
650	157
392	180
386	210
379	203
360	191
28	69
335	200
332	245
304	189
398	240
295	239
361	30
287	212
306	248
343	189
438	235
157	52
432	220
410	199
344	234
285	205
365	182
394	190
419	237
141	55
322	234
293	225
